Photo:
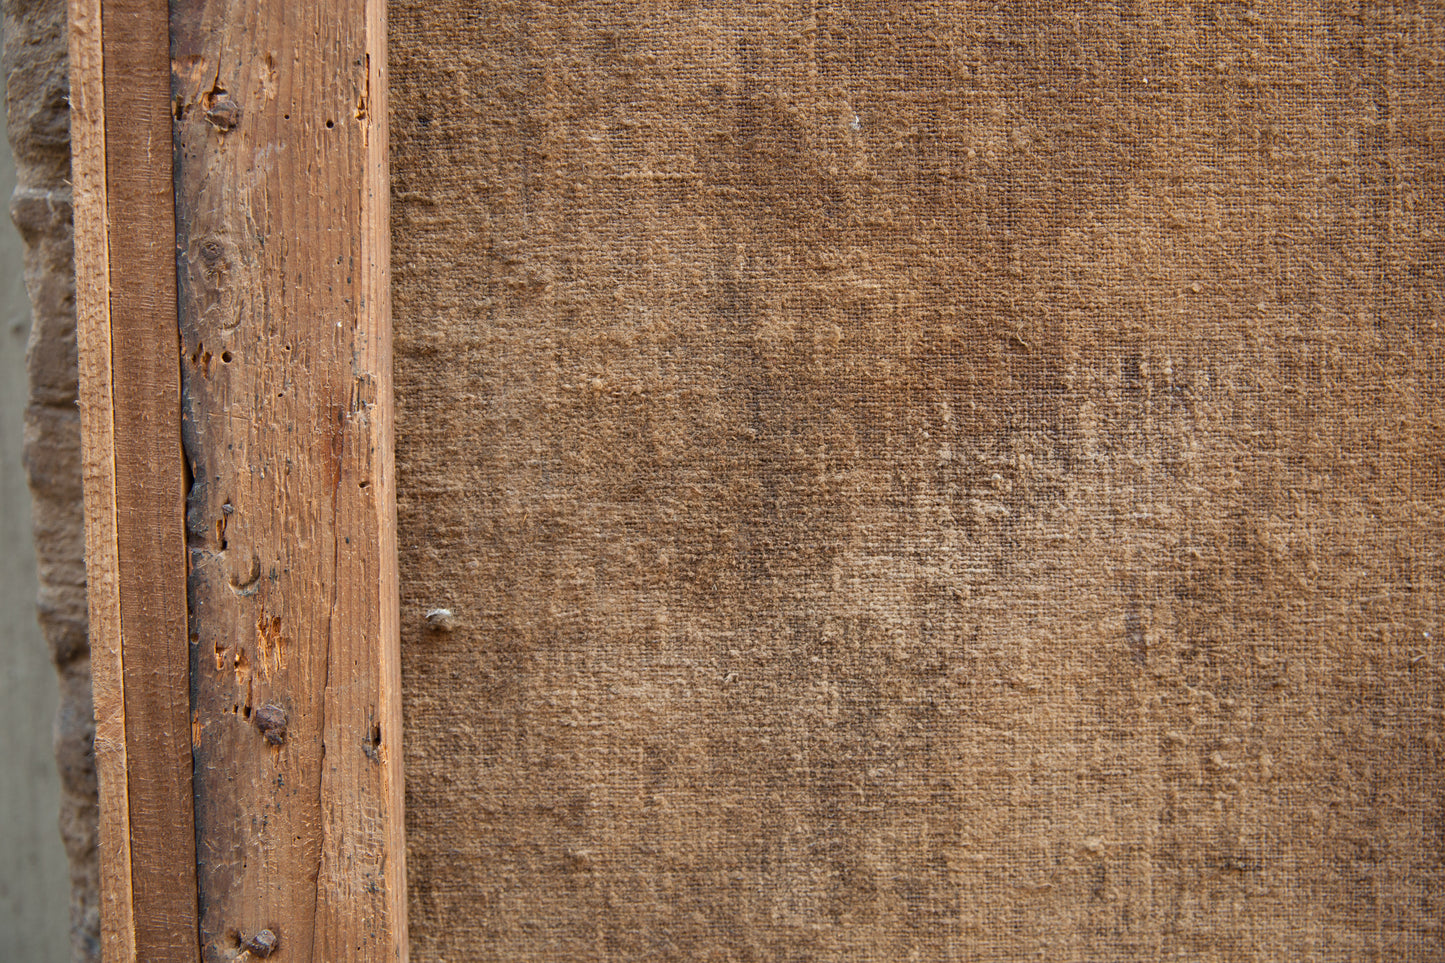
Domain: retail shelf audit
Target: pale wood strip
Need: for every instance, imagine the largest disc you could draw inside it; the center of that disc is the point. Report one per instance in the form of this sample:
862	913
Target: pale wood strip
367	868
92	330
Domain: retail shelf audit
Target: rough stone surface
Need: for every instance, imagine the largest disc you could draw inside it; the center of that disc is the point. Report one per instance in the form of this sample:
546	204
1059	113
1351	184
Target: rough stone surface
39	122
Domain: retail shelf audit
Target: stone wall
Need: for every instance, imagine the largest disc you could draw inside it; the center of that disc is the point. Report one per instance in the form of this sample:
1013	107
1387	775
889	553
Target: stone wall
37	107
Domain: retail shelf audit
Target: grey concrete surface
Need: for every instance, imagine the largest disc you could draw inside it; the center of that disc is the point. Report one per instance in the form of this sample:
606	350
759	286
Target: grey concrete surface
34	882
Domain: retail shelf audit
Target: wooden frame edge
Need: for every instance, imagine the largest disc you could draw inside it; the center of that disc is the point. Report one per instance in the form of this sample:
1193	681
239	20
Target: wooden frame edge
92	297
134	478
163	592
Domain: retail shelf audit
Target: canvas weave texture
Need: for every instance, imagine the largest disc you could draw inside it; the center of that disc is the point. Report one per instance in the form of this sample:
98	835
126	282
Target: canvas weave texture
921	481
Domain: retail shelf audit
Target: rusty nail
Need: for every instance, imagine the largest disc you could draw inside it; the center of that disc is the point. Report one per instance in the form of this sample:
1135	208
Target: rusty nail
441	620
224	115
263	944
271	720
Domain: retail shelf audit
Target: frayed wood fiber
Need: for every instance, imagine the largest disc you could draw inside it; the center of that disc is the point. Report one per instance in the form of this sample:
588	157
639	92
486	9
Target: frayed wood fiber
930	481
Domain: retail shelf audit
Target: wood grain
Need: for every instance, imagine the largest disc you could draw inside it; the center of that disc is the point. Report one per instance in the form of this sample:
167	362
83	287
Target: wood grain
130	399
87	165
282	213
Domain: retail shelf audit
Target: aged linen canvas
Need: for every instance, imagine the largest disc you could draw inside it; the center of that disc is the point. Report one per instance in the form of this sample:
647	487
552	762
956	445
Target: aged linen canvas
921	481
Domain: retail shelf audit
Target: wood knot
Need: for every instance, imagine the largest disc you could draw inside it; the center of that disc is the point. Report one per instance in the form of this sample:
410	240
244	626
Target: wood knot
263	944
271	720
224	114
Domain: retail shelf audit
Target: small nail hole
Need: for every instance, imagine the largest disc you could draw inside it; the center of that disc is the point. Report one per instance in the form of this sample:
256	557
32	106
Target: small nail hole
225	357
